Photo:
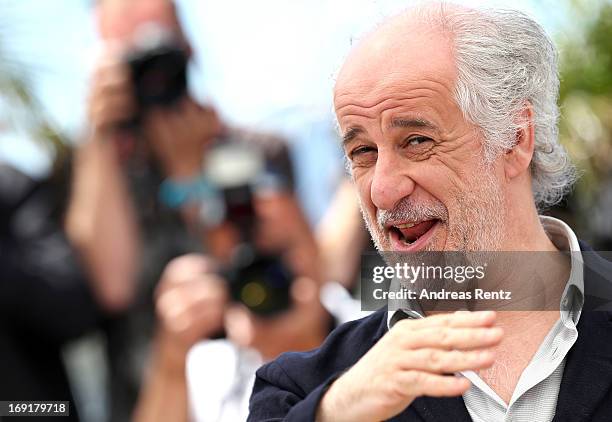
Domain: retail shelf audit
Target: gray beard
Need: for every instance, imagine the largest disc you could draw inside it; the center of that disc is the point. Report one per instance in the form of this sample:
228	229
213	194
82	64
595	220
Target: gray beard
479	219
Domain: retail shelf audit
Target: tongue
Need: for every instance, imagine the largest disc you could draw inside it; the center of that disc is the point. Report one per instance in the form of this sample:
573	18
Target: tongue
413	233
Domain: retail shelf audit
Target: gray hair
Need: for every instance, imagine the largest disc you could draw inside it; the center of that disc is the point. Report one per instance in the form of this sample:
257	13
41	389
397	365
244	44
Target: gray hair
505	60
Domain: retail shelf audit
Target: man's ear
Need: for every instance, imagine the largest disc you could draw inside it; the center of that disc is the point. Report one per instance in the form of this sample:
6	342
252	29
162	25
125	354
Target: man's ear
518	158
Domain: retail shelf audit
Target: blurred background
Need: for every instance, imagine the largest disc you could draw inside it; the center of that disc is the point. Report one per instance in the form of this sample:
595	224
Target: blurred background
266	67
271	64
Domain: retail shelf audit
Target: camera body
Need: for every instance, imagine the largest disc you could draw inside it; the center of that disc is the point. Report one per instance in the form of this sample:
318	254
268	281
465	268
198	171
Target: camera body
258	279
158	64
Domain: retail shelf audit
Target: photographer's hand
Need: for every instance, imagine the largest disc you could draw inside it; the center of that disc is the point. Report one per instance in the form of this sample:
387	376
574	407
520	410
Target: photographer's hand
178	136
413	359
283	226
111	97
190	303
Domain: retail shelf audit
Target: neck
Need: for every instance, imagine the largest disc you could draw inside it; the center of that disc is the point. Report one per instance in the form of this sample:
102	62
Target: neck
538	272
523	230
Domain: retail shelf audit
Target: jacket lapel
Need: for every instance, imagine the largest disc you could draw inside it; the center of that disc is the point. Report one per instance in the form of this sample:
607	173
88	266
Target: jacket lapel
587	377
441	409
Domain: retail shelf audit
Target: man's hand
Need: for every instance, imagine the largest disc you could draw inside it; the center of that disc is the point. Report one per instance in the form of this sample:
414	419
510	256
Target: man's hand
179	134
191	302
282	226
111	97
415	358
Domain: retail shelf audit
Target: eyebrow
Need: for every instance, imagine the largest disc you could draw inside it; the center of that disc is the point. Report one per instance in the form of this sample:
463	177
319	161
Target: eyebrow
411	123
351	133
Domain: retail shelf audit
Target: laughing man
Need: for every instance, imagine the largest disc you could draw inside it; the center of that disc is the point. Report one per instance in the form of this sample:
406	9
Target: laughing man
449	122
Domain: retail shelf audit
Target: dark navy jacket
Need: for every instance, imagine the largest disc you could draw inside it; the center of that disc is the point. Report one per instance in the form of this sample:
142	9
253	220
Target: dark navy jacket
290	388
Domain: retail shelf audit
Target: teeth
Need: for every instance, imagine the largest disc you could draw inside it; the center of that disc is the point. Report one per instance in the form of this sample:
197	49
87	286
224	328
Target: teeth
406	225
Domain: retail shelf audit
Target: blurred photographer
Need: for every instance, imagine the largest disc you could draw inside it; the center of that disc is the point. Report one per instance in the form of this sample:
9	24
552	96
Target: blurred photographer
138	184
197	297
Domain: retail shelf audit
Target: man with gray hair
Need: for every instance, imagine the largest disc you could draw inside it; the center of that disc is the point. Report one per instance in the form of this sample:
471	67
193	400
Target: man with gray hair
449	124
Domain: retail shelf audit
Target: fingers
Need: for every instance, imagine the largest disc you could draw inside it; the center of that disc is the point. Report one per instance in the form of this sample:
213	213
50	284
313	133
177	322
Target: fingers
185	267
460	330
112	110
111	99
458	319
415	383
192	309
185	122
198	317
446	362
112	77
453	338
191	268
239	326
178	136
183	298
304	291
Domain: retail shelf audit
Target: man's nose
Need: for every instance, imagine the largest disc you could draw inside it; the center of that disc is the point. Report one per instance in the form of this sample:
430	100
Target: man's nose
390	183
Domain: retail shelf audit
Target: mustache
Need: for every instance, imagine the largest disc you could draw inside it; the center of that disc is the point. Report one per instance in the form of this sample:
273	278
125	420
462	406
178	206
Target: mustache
410	210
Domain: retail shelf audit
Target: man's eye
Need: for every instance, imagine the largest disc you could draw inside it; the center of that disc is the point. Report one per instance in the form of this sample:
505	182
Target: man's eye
417	140
360	151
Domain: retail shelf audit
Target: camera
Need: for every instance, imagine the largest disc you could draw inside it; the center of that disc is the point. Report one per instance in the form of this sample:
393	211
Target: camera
158	64
236	171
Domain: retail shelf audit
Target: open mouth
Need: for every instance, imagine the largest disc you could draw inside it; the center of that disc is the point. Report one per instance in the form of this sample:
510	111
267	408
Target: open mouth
411	235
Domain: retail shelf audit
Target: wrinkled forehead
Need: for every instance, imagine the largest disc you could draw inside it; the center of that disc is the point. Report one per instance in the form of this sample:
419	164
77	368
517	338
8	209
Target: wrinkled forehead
117	19
402	52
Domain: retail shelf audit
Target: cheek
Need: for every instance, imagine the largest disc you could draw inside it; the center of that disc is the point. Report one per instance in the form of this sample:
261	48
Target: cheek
363	182
439	180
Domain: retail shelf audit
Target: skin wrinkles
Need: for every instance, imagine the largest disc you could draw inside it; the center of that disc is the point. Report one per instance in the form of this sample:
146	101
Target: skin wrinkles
446	143
369	99
412	97
438	167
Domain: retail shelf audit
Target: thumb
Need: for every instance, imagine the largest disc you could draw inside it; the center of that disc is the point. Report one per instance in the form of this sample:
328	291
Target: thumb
304	290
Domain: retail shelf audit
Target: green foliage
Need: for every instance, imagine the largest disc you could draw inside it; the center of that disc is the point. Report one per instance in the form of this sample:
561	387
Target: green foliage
587	61
23	110
586	98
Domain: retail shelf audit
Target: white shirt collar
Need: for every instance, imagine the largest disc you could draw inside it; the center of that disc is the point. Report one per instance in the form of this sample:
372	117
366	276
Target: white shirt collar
564	238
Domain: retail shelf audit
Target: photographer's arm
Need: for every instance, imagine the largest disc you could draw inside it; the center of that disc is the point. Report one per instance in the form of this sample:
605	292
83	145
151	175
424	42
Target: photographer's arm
101	223
341	236
101	220
190	305
164	393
